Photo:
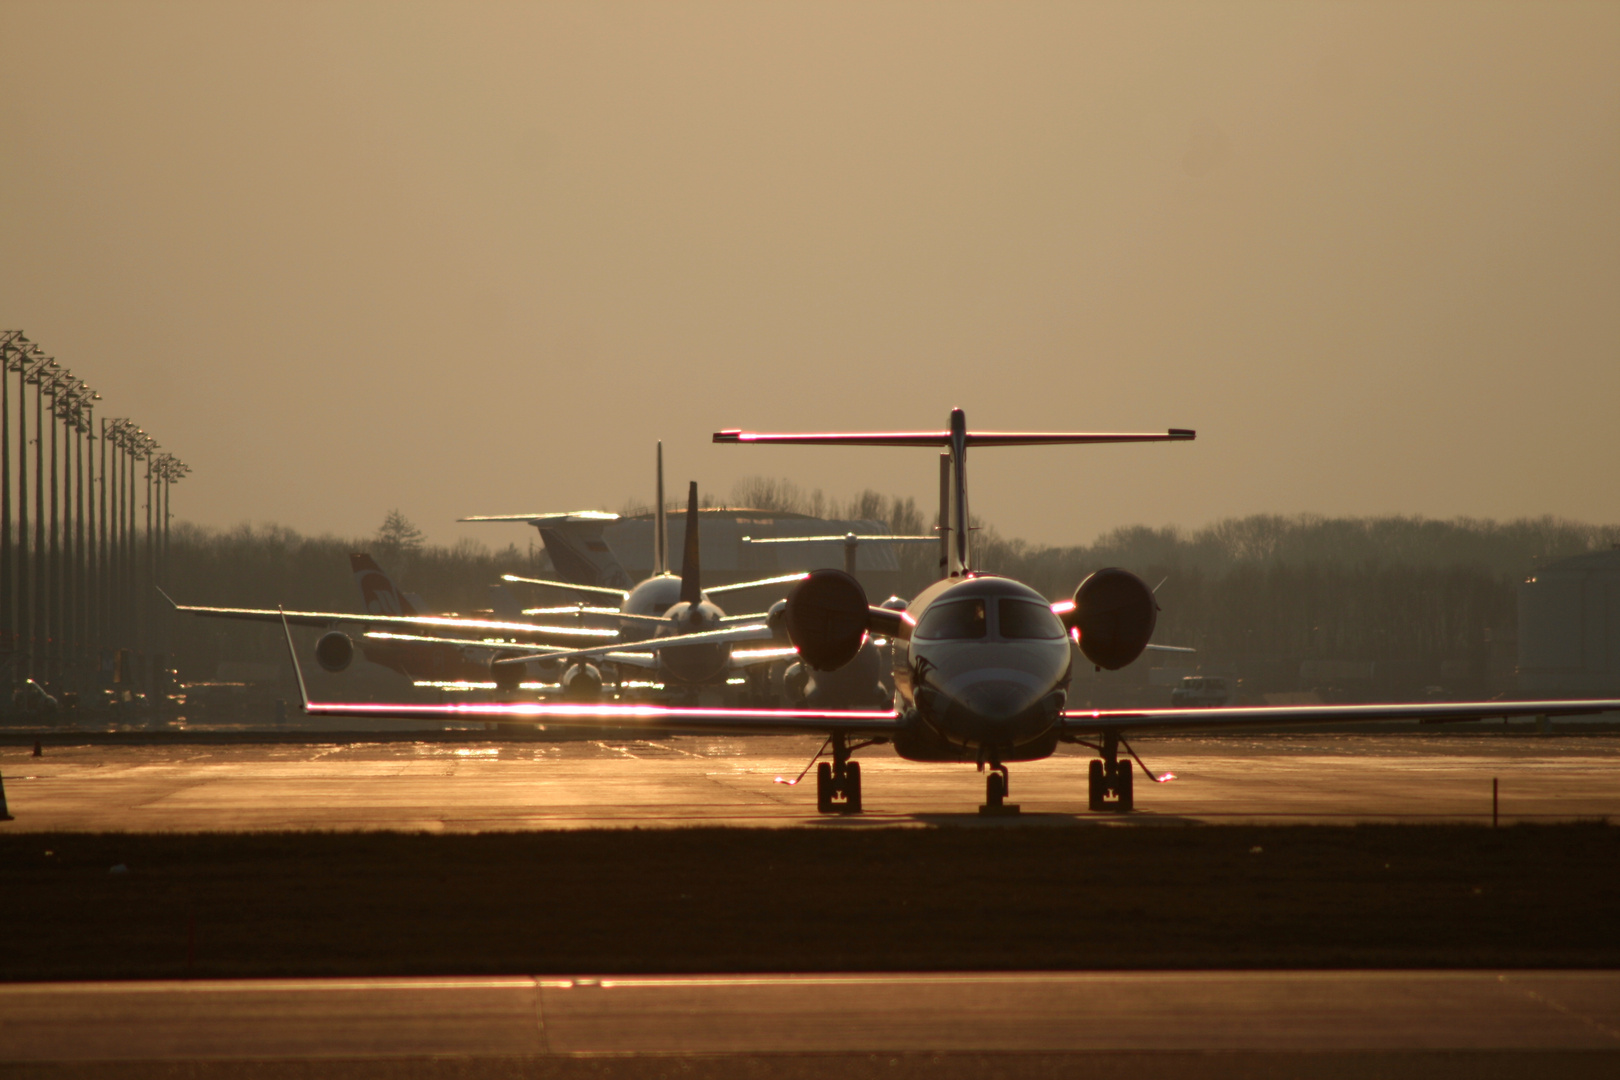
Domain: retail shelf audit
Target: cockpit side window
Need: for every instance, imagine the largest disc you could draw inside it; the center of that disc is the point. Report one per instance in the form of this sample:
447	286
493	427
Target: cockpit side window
1027	619
956	619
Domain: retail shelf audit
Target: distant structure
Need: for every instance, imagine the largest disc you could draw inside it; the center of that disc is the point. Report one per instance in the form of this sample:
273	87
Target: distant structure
1569	628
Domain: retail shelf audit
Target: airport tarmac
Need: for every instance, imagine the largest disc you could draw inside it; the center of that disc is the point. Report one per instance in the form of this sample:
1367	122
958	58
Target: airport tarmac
1070	1013
480	783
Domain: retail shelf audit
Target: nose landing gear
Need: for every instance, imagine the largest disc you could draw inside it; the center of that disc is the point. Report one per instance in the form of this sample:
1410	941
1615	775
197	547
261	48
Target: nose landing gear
995	790
1112	777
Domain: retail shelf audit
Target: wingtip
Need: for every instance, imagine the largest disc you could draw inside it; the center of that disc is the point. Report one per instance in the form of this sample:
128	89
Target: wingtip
729	435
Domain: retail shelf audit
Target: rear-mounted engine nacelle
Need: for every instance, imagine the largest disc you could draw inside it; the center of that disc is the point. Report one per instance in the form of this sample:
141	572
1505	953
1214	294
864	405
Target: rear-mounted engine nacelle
1115	612
334	651
826	619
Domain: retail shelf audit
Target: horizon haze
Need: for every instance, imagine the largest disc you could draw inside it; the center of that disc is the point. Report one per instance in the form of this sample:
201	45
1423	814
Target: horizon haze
462	259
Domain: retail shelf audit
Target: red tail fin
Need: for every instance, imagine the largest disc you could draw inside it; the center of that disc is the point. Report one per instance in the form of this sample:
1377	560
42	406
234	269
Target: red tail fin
377	590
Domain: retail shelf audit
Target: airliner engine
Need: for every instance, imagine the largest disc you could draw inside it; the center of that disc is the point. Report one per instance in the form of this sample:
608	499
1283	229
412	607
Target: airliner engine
334	651
507	677
1115	612
826	619
582	682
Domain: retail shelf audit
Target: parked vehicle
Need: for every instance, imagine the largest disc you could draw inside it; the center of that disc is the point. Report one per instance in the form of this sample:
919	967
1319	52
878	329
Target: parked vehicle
1200	692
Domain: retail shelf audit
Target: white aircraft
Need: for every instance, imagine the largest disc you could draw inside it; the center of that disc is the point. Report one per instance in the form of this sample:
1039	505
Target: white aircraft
981	662
692	639
577	547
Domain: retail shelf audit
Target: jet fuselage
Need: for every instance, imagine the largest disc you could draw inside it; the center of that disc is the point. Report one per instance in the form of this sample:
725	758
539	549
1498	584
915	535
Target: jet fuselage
982	666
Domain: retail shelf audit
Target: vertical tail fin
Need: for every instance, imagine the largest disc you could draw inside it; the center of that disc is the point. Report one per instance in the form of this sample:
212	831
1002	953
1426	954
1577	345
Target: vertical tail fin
959	508
660	522
691	571
377	590
944	515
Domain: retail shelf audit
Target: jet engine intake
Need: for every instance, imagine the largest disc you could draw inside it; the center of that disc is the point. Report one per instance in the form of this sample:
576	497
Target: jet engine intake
826	619
334	651
507	677
582	682
1115	613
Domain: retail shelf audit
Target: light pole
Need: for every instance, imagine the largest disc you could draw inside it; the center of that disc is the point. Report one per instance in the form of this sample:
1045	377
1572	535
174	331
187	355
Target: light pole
72	405
61	380
13	351
39	373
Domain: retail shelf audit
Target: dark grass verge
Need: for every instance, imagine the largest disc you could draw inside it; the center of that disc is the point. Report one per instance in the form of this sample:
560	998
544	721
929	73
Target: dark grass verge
1226	1065
719	900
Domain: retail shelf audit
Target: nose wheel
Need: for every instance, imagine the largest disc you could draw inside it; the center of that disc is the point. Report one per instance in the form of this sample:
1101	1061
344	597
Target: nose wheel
1111	780
995	791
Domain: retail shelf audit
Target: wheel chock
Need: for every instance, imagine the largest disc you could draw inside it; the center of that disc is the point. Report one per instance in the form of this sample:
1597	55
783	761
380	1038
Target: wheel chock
39	751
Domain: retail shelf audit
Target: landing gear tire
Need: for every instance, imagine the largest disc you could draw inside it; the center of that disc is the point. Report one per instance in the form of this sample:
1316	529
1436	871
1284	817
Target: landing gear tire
1099	787
852	788
824	788
1124	787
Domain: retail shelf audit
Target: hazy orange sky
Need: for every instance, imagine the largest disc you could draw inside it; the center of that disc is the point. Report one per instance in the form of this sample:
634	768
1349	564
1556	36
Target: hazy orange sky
470	258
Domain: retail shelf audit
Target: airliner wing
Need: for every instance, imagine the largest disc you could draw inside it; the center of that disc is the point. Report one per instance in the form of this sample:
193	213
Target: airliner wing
738	586
530	631
631	717
1077	723
754	632
589	590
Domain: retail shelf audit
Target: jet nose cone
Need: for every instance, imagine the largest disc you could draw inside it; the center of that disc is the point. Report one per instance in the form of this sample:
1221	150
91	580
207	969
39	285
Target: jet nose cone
997	699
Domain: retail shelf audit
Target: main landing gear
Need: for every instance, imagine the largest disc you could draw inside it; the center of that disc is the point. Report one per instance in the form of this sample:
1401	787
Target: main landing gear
995	790
1111	779
838	782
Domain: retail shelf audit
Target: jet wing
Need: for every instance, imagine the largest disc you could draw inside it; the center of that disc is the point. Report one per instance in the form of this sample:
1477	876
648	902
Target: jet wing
634	717
744	658
755	632
738	586
591	590
1124	721
604	714
530	631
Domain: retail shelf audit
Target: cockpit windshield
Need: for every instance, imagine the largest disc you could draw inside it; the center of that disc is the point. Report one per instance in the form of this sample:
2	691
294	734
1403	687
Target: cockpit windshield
955	619
1026	619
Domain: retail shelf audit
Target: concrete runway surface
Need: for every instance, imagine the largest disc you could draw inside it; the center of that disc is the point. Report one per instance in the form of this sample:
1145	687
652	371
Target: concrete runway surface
519	1017
340	782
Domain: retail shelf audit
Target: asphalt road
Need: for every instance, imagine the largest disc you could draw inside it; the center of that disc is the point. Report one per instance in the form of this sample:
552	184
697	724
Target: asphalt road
1310	1012
482	784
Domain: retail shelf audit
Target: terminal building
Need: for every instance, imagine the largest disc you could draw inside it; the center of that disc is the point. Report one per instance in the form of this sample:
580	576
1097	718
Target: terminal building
1569	628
